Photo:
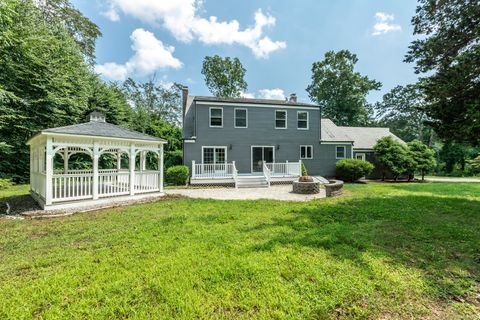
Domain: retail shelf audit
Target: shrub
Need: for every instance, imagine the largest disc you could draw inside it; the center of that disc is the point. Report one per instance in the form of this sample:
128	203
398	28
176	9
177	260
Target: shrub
173	158
394	157
177	175
5	183
304	170
351	169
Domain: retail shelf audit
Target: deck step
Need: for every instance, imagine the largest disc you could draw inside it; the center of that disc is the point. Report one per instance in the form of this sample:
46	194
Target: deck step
252	182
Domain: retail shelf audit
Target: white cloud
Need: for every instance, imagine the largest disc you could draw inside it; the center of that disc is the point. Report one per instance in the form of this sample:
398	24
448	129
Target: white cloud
150	55
275	94
247	95
181	19
384	24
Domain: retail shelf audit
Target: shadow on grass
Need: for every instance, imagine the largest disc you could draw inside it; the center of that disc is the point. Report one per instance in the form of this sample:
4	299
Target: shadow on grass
436	235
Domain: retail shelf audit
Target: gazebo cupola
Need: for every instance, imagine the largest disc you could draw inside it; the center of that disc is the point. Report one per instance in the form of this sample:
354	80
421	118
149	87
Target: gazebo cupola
53	187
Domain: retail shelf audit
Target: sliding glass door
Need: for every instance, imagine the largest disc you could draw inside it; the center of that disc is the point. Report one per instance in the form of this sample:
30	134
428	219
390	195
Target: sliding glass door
260	154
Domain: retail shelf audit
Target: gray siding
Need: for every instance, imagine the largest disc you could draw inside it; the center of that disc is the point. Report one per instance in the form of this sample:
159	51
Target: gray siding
261	132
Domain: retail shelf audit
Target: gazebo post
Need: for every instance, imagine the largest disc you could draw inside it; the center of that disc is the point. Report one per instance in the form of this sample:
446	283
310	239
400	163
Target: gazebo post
119	161
142	160
48	171
160	168
131	164
65	160
96	156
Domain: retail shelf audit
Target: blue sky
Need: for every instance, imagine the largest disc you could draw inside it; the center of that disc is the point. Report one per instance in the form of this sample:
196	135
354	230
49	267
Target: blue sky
277	41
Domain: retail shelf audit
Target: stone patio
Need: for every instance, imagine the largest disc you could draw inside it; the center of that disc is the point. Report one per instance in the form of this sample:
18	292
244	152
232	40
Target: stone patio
275	192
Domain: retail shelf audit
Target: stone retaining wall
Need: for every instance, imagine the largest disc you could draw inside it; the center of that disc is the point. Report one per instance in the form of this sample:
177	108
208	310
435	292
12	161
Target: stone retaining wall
334	188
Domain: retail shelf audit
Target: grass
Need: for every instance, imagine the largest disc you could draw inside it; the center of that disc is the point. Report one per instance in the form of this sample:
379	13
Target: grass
382	251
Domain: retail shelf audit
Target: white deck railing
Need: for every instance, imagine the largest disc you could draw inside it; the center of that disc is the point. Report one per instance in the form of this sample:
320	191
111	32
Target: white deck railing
213	171
285	169
71	187
267	173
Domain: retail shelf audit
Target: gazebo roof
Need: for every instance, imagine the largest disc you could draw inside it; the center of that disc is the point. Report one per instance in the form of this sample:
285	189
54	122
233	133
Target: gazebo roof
97	127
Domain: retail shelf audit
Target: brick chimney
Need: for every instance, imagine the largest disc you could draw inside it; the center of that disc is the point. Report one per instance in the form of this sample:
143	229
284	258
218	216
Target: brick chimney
184	100
293	98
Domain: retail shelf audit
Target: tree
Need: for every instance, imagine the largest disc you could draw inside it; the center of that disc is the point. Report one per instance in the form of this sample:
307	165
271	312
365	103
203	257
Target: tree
82	30
448	52
423	157
339	90
393	156
44	82
152	102
455	155
224	77
401	110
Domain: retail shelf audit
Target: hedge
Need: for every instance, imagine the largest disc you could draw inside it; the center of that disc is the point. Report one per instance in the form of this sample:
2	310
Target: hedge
177	175
351	170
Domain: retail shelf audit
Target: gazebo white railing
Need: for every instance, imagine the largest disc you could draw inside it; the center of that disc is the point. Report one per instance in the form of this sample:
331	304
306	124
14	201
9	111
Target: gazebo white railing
51	186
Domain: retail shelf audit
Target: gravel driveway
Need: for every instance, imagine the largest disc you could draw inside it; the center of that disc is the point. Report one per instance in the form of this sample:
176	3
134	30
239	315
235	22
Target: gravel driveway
277	192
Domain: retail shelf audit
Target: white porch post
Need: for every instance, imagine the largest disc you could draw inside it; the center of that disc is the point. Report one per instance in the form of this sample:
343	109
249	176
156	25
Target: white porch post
96	156
160	168
48	171
193	169
131	165
65	160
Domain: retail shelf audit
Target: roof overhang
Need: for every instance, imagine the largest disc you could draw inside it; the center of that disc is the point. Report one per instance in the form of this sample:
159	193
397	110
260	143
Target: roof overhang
258	105
94	137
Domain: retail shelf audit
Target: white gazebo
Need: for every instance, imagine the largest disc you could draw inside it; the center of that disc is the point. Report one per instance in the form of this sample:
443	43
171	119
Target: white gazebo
65	187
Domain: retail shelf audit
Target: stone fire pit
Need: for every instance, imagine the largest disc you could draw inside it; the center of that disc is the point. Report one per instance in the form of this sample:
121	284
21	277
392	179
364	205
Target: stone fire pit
306	187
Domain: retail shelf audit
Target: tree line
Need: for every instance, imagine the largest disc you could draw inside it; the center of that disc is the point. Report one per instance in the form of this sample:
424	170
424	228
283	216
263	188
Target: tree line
47	80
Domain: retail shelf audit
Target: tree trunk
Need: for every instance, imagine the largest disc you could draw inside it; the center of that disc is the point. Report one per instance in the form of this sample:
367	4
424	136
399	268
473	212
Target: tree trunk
423	176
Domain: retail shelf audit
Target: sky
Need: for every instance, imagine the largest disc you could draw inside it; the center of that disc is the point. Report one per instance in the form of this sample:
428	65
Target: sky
276	40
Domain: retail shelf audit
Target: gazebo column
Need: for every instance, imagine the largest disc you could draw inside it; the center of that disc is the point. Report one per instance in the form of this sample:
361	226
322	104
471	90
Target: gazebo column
48	171
160	168
142	160
96	156
131	164
119	160
65	160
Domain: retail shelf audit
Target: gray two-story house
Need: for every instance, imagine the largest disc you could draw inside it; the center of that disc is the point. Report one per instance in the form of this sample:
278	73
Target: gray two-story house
233	139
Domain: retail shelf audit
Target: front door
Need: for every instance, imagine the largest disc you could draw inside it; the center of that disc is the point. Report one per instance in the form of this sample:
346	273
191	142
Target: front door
260	154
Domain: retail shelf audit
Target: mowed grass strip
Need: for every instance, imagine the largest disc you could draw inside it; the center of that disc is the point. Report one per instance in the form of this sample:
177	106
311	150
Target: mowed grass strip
381	251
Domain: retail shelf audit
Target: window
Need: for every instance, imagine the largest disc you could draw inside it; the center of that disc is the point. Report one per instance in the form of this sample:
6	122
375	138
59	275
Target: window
360	156
306	152
340	151
216	117
302	120
280	119
214	155
241	118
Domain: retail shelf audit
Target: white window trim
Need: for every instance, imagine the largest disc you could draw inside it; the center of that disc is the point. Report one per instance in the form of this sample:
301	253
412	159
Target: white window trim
210	117
308	120
360	154
311	152
215	147
286	119
235	118
344	152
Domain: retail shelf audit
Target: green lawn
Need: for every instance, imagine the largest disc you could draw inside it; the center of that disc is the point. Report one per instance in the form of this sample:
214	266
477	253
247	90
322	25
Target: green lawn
383	251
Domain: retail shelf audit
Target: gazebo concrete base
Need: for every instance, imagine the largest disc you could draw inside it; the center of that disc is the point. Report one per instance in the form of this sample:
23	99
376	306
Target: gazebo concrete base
86	205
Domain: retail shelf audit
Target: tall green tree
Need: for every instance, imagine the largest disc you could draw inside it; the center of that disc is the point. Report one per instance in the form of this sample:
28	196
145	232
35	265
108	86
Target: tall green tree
44	80
83	31
448	54
422	156
224	77
152	101
340	90
402	110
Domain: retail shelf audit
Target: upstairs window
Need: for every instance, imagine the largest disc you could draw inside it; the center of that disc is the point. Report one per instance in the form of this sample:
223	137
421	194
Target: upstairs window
340	152
302	120
216	117
241	118
306	152
280	119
